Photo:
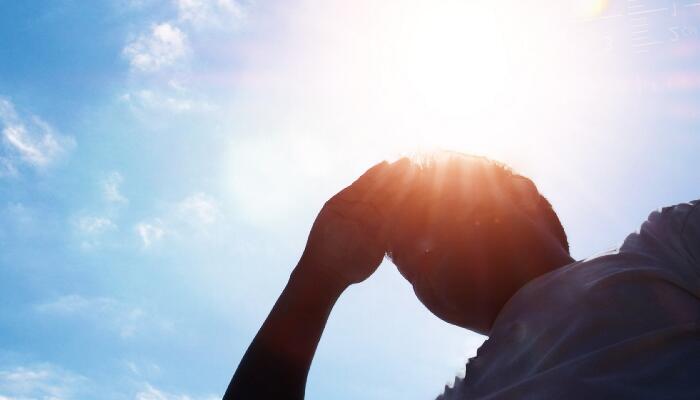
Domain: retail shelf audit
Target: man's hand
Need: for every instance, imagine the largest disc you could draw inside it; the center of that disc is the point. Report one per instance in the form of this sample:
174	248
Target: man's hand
348	239
346	244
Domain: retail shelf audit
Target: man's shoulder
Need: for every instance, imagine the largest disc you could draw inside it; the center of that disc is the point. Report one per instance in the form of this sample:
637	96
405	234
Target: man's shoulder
670	236
666	244
548	322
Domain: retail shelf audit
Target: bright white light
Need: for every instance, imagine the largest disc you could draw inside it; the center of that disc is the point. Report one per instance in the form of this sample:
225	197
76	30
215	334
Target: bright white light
475	76
589	8
366	80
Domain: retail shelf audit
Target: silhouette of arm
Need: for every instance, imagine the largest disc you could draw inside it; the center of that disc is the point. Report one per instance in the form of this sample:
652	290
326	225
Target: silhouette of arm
277	362
345	246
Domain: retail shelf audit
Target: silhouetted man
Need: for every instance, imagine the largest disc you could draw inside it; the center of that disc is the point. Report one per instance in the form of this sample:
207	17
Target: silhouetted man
485	251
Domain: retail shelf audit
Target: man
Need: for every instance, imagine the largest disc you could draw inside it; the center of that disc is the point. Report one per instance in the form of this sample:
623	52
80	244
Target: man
485	251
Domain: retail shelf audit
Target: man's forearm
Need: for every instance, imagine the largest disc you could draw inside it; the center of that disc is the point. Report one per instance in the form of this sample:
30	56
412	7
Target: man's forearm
277	362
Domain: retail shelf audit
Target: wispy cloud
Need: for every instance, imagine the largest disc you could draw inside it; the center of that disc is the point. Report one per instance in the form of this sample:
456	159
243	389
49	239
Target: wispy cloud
143	369
194	215
40	381
151	393
132	4
163	46
90	230
210	13
124	319
28	140
159	55
199	209
111	188
94	225
7	167
164	101
48	381
150	232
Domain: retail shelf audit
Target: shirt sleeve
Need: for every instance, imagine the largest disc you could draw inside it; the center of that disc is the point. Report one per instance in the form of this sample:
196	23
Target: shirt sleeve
690	233
670	239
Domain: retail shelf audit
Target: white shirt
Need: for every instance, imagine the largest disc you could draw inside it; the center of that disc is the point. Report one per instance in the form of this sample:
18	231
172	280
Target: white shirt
621	325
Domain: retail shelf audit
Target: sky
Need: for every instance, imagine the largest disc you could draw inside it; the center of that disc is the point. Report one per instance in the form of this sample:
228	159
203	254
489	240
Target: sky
161	163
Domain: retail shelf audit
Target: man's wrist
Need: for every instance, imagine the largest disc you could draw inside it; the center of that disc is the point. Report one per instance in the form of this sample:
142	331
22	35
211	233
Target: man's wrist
315	276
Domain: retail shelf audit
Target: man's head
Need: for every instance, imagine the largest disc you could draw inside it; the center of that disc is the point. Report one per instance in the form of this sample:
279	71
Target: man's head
468	233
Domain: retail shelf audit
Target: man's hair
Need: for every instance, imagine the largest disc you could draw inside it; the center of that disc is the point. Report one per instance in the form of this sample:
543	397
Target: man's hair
455	180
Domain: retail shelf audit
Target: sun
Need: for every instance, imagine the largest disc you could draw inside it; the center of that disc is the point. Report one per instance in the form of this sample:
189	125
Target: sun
473	76
365	81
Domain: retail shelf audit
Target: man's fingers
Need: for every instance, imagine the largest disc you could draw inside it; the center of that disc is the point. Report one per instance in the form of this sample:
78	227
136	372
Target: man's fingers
372	198
356	191
389	186
373	171
378	184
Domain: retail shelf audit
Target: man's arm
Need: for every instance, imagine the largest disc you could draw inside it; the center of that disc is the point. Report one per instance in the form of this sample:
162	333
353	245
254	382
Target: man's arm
278	360
346	245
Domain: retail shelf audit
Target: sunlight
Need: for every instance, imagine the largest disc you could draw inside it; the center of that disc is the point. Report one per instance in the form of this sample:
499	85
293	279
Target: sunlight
590	8
375	80
476	76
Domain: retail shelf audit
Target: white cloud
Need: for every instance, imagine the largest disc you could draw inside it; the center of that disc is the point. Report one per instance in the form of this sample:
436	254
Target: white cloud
41	381
90	230
163	46
45	381
199	209
73	304
29	141
210	13
111	186
177	85
193	216
169	43
132	4
93	225
159	100
143	368
124	319
150	232
151	393
7	168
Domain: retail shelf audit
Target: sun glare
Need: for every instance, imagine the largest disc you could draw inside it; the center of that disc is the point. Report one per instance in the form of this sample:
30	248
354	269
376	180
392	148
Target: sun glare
371	80
590	8
470	76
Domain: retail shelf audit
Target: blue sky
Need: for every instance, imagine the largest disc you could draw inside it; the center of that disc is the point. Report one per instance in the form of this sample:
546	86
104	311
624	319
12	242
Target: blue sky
161	162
